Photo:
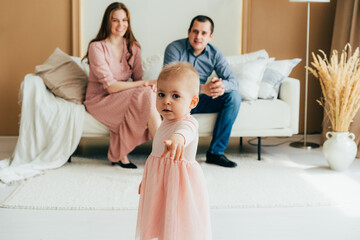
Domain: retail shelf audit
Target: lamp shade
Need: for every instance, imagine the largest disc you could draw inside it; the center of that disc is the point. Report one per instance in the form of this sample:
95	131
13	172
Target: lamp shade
309	0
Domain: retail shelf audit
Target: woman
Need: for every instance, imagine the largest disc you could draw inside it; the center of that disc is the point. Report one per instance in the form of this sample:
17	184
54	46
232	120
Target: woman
127	108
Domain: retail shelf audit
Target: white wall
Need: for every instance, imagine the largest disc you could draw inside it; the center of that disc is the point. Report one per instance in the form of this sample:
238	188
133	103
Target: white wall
156	23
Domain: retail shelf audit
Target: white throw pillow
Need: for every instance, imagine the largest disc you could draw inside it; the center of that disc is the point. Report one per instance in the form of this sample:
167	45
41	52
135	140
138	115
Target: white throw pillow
284	66
152	67
274	75
249	75
237	59
242	58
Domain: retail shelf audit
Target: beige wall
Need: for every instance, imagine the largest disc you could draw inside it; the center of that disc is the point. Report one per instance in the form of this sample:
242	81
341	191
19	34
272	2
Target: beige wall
279	26
30	31
157	23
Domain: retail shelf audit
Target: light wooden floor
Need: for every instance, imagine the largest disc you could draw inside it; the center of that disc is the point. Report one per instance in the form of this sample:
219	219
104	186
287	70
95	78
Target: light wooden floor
308	223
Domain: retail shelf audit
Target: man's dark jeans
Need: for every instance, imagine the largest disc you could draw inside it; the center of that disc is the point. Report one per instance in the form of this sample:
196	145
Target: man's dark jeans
227	106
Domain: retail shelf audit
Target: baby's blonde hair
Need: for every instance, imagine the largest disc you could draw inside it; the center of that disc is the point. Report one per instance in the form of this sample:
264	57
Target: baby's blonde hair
185	69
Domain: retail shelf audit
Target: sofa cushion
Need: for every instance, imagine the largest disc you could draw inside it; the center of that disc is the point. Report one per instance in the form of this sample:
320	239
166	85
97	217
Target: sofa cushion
249	69
274	74
152	66
255	115
93	127
261	114
63	77
270	84
249	75
241	58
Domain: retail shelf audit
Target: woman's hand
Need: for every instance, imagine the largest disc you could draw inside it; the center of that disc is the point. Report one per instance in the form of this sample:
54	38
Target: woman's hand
174	146
150	83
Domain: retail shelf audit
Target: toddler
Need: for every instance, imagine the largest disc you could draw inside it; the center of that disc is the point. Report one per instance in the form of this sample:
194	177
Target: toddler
173	196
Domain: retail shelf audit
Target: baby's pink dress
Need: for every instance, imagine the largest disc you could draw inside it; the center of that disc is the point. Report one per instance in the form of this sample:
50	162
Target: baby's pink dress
125	113
174	200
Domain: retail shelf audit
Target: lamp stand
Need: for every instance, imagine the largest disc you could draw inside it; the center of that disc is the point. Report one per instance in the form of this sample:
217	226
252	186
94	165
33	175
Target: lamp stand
305	144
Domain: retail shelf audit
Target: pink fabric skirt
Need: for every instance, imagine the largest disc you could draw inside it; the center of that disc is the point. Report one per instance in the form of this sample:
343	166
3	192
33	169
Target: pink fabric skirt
173	201
126	114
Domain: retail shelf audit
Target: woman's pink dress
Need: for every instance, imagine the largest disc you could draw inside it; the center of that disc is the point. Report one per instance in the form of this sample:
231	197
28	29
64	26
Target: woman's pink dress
125	113
173	196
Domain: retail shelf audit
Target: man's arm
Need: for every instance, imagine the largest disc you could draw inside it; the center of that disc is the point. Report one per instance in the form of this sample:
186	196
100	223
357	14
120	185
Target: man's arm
172	54
223	70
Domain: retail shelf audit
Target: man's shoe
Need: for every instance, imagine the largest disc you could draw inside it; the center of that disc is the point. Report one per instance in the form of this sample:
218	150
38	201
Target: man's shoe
220	160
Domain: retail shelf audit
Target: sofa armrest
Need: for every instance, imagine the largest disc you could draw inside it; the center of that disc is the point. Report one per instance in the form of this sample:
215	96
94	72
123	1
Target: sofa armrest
290	93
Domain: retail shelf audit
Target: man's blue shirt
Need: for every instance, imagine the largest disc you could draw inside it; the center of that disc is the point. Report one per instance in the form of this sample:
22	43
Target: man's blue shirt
211	59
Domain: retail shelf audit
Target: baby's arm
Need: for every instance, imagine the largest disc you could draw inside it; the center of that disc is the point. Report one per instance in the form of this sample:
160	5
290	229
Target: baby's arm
184	134
175	146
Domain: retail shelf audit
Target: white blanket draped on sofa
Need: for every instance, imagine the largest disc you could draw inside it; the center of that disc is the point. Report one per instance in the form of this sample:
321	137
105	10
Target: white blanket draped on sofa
50	131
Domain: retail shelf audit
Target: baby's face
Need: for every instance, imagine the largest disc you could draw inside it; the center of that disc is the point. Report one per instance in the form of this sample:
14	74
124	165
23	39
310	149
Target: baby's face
173	98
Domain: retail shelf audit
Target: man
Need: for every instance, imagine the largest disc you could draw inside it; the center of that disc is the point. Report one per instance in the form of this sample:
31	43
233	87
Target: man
220	93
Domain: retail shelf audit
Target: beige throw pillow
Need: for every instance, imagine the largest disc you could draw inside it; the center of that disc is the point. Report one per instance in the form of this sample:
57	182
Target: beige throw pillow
63	77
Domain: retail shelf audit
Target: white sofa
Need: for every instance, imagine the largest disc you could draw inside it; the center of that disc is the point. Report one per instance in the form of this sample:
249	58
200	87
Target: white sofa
256	118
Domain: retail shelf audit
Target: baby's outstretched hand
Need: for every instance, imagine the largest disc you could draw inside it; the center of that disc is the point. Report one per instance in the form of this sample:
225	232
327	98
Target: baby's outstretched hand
174	146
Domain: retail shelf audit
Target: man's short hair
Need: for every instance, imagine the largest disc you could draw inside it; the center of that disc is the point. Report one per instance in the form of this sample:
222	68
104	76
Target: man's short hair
202	18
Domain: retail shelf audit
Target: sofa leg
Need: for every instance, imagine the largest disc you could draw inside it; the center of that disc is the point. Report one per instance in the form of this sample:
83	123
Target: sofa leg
69	160
259	148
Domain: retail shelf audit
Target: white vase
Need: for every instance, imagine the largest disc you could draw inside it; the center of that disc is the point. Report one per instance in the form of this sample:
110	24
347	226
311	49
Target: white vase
339	149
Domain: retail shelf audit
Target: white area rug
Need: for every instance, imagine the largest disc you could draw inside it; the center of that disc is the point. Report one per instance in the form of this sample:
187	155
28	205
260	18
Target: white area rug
93	184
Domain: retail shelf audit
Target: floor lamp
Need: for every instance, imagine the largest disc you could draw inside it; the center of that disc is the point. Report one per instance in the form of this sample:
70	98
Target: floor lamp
305	143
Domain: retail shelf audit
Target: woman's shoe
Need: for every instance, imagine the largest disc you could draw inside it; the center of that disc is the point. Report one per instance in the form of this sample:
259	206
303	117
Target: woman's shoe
127	165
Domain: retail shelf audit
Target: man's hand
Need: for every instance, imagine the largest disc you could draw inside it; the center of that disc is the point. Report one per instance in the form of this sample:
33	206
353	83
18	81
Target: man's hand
174	146
213	88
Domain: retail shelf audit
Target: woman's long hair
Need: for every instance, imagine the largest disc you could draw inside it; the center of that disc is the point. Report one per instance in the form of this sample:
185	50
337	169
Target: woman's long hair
105	30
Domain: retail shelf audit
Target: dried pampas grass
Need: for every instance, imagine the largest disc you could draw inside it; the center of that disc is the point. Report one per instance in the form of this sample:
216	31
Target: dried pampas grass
340	84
